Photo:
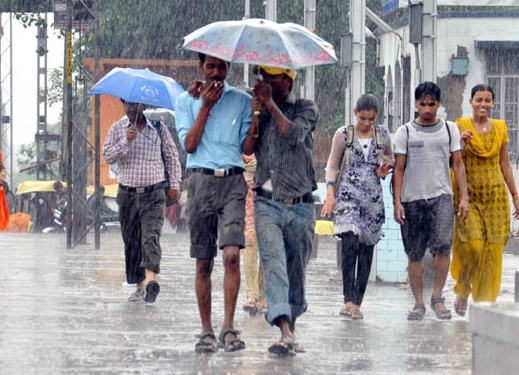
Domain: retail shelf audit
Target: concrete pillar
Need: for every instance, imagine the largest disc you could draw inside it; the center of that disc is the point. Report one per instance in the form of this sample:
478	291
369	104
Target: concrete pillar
429	45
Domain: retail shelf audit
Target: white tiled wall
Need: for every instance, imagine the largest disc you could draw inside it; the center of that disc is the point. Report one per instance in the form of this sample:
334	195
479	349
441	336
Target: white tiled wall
391	260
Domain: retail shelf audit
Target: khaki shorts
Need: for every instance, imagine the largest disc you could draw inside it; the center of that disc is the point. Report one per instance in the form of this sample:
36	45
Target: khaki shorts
215	213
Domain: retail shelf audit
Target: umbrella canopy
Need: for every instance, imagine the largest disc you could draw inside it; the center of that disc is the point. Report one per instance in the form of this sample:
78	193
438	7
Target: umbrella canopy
262	42
139	86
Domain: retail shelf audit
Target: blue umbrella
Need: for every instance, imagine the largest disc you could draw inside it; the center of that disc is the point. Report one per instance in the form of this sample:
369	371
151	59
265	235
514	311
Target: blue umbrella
139	86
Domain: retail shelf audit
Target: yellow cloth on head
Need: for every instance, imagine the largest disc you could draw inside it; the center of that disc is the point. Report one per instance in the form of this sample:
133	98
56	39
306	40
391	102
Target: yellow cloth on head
275	71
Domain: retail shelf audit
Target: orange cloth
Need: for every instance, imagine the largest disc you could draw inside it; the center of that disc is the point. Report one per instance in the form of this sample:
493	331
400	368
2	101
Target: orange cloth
18	223
4	208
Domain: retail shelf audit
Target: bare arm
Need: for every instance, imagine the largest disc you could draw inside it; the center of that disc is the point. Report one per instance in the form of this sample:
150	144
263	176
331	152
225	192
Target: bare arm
508	175
461	181
263	92
398	180
249	143
210	93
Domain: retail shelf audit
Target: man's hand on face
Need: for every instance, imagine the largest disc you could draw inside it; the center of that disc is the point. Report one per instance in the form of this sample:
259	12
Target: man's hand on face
131	134
262	91
212	92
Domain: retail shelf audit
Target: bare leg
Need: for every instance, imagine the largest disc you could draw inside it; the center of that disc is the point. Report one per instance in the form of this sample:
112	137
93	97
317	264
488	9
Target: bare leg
150	275
441	264
416	280
204	268
285	327
231	283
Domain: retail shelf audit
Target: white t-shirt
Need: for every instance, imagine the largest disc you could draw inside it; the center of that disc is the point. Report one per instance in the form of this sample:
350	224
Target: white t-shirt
427	171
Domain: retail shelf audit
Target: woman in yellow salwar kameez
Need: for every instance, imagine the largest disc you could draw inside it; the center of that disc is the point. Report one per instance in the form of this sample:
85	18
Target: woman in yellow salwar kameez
479	240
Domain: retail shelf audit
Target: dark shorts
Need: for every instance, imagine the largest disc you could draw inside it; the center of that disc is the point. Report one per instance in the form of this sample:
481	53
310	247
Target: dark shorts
215	213
428	224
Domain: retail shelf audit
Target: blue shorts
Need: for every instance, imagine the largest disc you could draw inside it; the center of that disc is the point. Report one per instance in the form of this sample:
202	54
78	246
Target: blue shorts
428	224
215	213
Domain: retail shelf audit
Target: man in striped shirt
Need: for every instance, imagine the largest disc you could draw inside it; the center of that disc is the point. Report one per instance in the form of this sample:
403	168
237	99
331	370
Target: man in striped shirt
142	156
284	209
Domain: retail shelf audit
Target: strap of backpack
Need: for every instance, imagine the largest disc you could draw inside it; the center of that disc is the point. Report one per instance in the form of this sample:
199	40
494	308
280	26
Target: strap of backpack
160	127
350	136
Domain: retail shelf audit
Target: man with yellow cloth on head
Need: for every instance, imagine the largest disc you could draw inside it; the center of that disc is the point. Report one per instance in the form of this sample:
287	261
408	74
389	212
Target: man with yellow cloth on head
283	128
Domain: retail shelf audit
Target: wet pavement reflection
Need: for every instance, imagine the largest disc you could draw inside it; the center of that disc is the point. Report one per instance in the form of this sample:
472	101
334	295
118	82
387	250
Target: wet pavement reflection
65	311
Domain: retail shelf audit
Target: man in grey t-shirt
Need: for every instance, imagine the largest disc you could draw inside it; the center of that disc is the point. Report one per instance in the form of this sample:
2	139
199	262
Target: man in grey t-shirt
422	194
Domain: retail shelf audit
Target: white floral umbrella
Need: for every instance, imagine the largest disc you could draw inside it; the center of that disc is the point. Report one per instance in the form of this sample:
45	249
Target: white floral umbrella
261	42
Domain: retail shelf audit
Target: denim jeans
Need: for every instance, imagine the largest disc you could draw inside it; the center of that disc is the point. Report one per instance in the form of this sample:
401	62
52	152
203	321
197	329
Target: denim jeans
285	236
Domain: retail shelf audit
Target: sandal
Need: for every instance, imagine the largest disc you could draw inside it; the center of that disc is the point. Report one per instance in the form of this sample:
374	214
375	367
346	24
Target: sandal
298	348
137	296
233	344
460	306
356	314
205	346
282	348
346	312
152	291
417	313
442	314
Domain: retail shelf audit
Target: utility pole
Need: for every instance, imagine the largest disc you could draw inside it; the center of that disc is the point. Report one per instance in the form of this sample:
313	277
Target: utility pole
356	84
68	118
6	90
246	16
271	7
308	89
41	138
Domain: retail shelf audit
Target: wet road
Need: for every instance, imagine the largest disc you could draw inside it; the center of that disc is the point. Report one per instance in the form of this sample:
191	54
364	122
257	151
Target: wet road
65	312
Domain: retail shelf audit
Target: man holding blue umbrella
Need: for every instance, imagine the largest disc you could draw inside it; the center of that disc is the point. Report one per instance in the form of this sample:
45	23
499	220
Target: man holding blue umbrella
144	152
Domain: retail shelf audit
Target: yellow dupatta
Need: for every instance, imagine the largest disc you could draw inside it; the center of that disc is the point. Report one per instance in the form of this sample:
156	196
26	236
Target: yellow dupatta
476	145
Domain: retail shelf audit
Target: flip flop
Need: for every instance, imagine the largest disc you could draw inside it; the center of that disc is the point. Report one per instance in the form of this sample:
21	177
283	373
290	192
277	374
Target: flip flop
251	307
460	306
152	291
137	296
282	348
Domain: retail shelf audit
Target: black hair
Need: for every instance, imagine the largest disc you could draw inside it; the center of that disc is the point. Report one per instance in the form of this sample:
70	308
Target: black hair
428	89
202	56
57	185
482	87
367	102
